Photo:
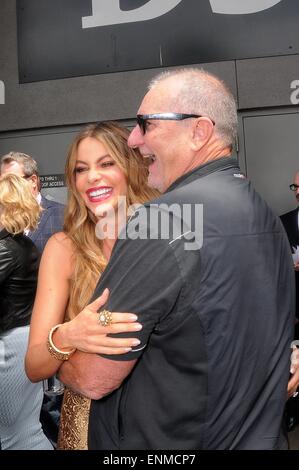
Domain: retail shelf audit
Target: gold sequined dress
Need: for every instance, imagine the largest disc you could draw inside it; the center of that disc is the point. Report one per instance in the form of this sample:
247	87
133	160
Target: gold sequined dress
73	422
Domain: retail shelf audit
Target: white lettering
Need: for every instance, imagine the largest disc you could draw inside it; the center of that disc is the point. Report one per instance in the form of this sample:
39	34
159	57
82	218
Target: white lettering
114	460
2	92
295	94
166	222
238	7
108	12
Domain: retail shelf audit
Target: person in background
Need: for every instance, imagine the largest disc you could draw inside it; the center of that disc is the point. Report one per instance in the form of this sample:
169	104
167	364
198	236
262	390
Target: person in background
290	221
215	299
51	218
101	171
50	222
20	400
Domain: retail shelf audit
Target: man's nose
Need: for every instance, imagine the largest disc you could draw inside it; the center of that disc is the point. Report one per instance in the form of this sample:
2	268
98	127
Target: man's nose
135	138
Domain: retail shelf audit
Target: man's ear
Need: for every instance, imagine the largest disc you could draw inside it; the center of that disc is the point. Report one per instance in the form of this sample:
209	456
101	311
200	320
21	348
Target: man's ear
33	180
202	131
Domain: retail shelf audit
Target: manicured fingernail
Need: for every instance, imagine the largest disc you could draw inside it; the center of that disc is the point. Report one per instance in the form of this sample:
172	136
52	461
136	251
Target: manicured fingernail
292	370
135	342
133	317
137	326
127	349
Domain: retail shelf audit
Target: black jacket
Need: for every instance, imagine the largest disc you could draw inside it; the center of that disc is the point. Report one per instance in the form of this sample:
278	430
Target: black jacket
19	261
50	222
290	223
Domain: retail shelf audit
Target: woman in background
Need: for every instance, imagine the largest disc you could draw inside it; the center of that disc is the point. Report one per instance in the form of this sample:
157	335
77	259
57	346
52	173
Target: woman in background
20	400
102	173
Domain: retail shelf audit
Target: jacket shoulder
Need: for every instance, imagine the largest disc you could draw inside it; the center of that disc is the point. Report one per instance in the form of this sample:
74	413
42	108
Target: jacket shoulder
288	215
52	205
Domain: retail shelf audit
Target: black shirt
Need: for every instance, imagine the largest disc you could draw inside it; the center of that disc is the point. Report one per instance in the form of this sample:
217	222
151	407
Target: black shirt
217	322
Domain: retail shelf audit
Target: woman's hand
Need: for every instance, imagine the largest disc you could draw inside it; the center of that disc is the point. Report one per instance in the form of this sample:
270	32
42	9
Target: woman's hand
294	381
85	332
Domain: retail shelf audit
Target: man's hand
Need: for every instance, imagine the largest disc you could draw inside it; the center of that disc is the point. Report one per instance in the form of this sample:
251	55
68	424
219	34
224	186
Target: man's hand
294	369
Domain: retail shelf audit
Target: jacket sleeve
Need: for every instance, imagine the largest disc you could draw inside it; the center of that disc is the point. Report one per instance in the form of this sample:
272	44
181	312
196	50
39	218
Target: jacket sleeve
7	263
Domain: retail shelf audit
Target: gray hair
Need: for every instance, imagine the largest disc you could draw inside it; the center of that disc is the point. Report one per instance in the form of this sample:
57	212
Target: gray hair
28	163
203	93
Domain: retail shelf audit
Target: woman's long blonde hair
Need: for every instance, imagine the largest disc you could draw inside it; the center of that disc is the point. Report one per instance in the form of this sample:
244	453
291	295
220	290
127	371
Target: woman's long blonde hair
79	225
19	210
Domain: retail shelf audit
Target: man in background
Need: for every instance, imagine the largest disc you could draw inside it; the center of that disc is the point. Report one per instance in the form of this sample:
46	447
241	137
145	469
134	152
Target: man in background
290	222
51	220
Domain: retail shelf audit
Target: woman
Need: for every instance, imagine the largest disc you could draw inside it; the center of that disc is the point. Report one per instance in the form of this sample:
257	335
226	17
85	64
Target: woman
20	400
101	173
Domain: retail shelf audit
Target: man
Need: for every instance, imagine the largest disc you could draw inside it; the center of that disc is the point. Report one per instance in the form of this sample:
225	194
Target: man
290	222
211	368
51	220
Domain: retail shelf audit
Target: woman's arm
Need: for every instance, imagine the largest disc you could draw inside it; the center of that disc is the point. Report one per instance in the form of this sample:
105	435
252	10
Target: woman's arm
84	332
49	307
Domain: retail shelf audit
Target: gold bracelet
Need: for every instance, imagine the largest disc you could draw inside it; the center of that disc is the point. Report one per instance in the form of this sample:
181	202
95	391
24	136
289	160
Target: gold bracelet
55	352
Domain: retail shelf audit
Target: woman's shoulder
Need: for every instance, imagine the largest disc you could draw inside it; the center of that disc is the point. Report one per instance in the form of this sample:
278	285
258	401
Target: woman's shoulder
59	251
60	242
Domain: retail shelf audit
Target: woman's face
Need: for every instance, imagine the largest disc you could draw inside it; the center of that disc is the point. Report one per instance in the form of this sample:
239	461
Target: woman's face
99	180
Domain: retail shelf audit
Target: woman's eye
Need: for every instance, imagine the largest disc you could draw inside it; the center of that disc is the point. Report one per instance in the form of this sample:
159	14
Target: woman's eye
107	164
80	169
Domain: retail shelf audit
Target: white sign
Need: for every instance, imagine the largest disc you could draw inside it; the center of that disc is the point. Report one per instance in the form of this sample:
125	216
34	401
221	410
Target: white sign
108	12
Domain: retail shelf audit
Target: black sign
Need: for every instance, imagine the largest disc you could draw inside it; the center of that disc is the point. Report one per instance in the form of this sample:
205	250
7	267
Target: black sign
52	181
67	38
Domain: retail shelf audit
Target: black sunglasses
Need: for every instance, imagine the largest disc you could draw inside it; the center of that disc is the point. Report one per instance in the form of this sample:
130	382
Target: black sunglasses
294	187
143	118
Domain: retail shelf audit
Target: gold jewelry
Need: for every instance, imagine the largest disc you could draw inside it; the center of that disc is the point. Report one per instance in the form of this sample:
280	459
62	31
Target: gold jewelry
105	318
55	352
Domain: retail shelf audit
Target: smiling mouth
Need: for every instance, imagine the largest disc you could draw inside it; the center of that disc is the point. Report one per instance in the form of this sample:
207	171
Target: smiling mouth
99	194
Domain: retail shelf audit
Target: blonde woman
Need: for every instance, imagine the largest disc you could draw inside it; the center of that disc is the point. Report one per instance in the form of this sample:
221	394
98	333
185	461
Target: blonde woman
101	171
20	400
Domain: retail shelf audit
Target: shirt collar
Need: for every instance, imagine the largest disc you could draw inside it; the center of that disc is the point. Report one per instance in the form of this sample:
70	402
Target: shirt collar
203	170
39	198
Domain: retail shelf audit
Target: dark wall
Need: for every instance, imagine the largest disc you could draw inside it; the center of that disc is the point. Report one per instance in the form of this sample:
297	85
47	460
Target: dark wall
261	86
256	83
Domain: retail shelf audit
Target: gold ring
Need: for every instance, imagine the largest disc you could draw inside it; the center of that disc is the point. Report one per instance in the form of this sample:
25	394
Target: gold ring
105	318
